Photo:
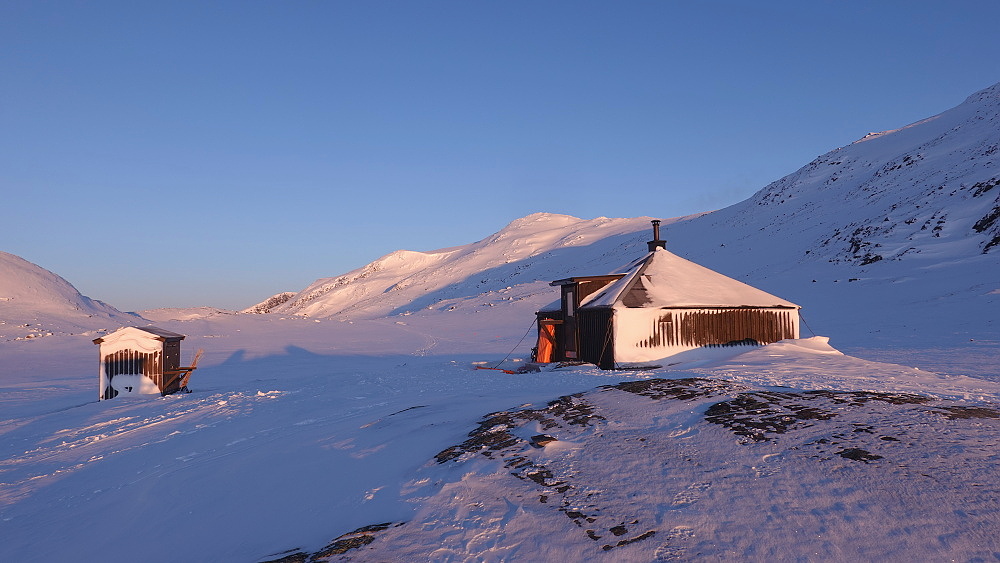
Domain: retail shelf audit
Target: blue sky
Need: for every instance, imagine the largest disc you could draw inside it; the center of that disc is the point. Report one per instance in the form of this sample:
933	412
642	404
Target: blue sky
214	153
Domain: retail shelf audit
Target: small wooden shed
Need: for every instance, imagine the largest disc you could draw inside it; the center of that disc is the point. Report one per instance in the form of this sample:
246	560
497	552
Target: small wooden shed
661	305
139	360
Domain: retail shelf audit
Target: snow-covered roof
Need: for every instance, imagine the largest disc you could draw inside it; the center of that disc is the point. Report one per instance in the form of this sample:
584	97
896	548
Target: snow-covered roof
663	279
159	333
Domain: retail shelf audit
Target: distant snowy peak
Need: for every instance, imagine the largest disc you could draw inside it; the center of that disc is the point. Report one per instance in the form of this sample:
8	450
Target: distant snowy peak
929	187
33	296
527	250
328	296
989	96
183	313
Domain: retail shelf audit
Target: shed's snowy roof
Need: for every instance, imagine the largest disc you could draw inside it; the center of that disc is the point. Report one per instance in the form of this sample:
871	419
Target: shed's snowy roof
663	279
155	331
160	331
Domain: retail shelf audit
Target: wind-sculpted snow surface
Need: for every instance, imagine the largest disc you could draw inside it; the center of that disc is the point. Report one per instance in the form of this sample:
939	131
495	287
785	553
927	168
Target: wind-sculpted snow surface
702	469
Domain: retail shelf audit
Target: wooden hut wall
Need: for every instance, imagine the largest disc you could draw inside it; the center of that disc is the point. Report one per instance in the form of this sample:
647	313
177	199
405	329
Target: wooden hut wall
132	362
644	334
720	327
588	287
596	337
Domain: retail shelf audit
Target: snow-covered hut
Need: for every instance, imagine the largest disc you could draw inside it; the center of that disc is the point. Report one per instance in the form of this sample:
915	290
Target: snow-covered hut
659	306
133	360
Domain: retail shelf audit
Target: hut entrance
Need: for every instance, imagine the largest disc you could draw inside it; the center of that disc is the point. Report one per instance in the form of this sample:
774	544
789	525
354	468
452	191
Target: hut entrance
546	348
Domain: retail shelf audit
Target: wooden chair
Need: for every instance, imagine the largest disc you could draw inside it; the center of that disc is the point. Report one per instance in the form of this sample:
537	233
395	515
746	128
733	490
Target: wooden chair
182	373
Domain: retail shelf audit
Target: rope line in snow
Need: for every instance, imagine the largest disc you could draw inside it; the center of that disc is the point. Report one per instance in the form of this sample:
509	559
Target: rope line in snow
803	317
530	326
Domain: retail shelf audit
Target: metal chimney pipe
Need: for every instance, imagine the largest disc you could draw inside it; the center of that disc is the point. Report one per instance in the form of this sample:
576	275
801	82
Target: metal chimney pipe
656	242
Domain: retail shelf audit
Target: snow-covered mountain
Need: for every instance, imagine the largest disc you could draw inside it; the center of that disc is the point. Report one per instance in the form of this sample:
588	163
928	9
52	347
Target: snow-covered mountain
527	251
35	302
898	219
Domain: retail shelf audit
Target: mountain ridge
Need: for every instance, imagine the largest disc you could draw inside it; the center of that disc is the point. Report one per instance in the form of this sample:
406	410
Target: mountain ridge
387	284
37	302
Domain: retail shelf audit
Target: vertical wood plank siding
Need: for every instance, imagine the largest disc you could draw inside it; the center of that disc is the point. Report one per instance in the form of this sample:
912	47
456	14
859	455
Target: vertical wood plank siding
596	337
725	327
132	362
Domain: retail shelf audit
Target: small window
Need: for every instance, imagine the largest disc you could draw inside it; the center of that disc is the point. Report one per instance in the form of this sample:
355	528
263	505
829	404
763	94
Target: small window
570	304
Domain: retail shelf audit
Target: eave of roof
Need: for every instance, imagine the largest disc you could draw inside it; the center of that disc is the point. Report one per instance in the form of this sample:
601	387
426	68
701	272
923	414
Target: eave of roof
578	279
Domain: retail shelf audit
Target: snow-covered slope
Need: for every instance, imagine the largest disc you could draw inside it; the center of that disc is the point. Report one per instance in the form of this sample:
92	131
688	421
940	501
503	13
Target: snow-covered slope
898	220
36	302
924	191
